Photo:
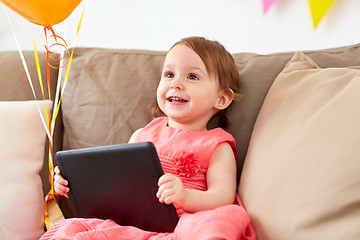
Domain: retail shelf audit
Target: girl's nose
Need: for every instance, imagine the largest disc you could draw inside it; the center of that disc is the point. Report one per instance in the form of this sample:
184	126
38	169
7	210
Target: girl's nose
176	84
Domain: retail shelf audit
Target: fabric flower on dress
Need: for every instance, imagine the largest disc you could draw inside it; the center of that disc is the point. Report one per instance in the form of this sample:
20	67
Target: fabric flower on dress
185	164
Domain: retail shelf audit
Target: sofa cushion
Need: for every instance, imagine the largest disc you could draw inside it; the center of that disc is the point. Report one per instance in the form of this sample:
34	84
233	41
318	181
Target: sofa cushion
301	175
15	87
257	73
22	143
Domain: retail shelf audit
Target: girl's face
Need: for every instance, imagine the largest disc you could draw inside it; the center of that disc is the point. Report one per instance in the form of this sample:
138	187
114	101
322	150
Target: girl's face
186	93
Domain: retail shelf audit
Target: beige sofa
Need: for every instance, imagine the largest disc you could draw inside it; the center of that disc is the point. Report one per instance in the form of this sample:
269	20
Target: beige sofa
301	176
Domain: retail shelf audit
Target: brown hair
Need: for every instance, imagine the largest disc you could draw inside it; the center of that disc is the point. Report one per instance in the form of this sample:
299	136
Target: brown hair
219	63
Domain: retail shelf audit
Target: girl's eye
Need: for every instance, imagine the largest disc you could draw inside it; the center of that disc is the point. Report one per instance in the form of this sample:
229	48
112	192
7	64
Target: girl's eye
192	76
168	75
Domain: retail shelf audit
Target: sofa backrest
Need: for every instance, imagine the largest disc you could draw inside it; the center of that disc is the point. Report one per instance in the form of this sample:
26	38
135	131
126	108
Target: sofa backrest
109	90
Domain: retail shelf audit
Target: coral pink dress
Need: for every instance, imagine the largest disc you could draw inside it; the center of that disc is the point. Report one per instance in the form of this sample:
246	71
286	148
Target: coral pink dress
185	154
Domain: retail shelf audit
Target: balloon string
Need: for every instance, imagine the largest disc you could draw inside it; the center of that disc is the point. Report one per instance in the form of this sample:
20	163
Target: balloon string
58	41
51	194
27	72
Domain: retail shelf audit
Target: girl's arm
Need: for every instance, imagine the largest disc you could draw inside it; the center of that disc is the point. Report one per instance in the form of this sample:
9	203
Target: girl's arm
221	182
133	136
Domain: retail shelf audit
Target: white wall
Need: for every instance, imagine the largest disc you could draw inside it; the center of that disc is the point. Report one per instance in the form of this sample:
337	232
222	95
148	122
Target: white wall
239	24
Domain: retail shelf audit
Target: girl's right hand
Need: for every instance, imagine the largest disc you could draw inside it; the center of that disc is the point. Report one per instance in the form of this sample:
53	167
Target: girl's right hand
60	184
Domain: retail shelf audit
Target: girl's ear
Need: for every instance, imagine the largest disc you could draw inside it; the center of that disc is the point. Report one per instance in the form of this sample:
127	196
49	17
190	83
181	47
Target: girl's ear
225	98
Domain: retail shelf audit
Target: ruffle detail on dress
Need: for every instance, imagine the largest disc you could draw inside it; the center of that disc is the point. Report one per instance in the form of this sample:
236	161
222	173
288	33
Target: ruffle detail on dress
185	164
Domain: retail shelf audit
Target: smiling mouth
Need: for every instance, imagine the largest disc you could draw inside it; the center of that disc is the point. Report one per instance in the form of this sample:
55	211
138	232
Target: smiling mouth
176	100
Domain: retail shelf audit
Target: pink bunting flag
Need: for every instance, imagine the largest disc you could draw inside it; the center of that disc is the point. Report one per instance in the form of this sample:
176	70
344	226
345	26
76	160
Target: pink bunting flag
267	4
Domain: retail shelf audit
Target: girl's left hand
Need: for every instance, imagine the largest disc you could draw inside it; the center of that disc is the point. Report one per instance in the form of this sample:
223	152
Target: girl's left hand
171	190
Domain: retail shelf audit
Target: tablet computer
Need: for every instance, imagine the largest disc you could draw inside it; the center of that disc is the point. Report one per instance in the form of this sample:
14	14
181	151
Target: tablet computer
117	182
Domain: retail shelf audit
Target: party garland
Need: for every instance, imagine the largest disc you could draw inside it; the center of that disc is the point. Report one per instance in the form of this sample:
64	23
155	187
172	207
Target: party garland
318	8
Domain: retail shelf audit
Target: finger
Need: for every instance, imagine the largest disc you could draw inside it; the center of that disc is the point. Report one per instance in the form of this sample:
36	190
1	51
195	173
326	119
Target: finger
60	180
161	197
60	186
57	170
62	191
168	199
164	186
166	195
160	192
165	178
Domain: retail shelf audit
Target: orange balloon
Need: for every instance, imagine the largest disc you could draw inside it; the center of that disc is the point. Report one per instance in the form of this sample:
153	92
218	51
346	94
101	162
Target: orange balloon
43	12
